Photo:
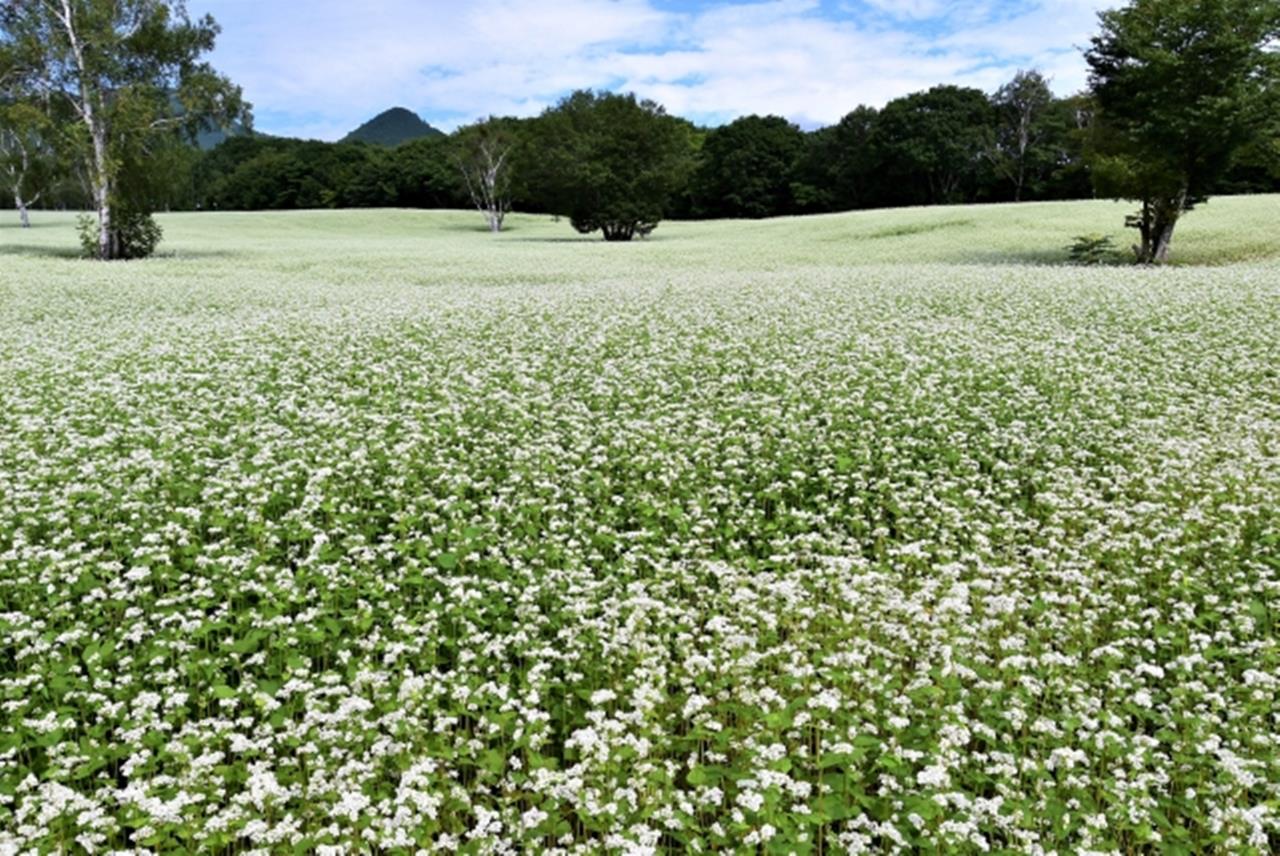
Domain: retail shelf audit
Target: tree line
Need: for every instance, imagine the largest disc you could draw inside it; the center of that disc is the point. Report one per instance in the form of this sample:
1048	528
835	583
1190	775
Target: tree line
100	101
947	145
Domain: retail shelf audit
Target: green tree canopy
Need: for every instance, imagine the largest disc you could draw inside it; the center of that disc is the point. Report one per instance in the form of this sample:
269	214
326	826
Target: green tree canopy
746	167
1020	153
611	163
935	142
1182	87
130	73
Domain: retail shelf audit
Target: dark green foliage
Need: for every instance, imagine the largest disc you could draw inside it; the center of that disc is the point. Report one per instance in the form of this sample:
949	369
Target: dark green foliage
392	128
1256	168
947	144
1069	122
813	178
1092	249
610	163
1026	128
837	171
265	173
746	169
750	168
424	176
159	177
931	144
1183	88
136	234
282	174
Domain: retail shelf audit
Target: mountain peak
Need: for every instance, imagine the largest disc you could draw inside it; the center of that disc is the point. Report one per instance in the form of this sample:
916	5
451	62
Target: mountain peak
391	128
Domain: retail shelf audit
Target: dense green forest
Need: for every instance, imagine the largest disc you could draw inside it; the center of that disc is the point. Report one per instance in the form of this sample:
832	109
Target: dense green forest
946	145
1166	127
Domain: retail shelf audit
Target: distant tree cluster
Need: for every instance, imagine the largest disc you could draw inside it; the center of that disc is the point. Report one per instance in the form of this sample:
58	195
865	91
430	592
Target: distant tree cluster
946	145
254	173
618	165
101	101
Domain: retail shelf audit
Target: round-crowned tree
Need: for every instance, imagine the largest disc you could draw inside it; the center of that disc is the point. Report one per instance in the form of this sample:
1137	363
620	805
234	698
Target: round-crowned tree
747	167
1182	87
610	163
933	144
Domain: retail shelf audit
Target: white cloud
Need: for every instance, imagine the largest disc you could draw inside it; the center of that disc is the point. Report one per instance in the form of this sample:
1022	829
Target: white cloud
910	8
323	67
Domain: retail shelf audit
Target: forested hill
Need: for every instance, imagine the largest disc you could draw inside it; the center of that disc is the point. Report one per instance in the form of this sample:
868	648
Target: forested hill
391	128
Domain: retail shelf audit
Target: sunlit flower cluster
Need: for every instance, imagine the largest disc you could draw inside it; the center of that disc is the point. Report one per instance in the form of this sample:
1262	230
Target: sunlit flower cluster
858	560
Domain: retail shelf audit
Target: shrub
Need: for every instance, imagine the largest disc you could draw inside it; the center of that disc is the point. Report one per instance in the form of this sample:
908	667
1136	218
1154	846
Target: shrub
136	234
1092	249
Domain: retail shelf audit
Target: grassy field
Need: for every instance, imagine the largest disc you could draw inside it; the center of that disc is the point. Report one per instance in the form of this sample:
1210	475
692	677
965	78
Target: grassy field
365	532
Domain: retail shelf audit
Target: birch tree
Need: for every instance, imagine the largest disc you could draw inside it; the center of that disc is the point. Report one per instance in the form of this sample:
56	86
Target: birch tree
26	156
1020	108
130	74
484	153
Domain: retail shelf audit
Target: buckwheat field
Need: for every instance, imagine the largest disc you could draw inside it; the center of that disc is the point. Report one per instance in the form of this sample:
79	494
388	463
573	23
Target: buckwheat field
875	533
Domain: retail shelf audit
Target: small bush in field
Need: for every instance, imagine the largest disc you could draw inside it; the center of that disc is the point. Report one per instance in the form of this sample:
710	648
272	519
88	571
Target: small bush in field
136	233
1095	249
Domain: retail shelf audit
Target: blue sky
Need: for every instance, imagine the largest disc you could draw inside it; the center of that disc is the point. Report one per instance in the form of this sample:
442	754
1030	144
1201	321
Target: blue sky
321	67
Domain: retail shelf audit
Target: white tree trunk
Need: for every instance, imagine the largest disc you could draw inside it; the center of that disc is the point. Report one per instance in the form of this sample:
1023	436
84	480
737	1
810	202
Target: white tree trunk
17	176
483	172
102	195
1024	146
99	170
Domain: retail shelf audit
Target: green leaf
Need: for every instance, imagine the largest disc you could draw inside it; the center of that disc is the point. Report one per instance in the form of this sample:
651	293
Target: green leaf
494	760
